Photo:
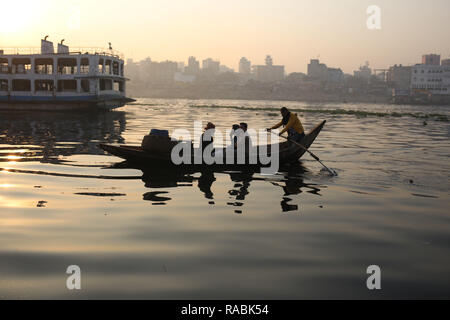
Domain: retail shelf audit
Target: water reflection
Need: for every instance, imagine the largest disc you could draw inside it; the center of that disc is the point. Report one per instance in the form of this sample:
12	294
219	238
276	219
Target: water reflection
294	185
167	235
45	136
240	188
290	180
205	182
157	179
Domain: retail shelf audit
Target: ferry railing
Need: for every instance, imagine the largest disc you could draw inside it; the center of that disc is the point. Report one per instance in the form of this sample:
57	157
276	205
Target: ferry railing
73	51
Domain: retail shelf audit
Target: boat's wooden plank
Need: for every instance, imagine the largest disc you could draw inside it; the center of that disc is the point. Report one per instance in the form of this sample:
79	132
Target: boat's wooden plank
288	152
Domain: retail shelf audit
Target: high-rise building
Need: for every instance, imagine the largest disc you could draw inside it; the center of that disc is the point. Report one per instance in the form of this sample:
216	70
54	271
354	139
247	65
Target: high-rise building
335	75
193	66
269	72
225	69
364	72
434	79
245	66
211	66
133	70
151	71
162	72
446	62
399	77
431	59
180	65
320	71
317	70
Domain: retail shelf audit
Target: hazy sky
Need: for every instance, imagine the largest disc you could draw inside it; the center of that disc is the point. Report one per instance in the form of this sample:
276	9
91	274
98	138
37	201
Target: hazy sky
292	31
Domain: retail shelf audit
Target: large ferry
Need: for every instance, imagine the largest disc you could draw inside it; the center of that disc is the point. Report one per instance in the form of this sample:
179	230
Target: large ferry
91	79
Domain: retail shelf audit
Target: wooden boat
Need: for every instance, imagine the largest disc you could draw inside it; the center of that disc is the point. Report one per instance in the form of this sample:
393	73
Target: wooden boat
287	153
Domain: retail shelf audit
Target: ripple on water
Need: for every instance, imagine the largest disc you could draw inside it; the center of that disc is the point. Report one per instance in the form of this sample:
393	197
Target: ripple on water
158	234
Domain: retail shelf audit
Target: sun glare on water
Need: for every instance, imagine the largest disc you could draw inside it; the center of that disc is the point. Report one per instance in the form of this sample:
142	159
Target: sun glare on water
6	185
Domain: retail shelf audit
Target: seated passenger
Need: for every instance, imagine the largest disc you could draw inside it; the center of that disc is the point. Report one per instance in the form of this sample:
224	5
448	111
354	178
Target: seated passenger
243	136
233	136
207	136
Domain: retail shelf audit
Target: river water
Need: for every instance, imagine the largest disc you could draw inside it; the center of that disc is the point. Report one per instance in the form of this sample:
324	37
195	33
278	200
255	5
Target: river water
290	235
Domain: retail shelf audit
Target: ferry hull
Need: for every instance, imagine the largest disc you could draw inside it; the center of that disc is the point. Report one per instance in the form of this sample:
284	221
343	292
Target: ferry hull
104	103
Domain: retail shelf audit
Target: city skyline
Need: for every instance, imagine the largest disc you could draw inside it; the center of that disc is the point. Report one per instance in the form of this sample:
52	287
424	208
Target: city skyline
293	32
367	64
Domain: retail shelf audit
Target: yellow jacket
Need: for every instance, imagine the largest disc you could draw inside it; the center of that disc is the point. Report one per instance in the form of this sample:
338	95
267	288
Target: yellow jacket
294	123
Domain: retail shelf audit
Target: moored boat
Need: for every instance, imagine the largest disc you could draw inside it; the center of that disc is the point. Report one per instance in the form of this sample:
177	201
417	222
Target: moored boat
89	79
286	152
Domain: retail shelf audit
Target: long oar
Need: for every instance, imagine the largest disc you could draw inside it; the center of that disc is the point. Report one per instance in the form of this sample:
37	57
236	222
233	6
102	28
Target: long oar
312	154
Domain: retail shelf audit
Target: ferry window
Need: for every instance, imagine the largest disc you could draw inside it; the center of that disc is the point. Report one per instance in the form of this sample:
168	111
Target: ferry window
4	67
21	85
118	86
67	66
44	66
43	85
3	85
121	69
115	68
67	85
84	66
108	67
100	66
105	84
85	86
21	65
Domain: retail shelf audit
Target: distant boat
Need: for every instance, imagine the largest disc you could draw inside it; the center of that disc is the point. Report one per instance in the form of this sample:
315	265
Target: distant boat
136	155
90	79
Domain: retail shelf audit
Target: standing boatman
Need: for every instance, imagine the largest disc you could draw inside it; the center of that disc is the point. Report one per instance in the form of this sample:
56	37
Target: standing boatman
292	125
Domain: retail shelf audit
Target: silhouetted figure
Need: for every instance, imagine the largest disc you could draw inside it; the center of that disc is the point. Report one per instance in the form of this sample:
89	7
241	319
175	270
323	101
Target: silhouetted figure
233	136
244	137
207	137
292	125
